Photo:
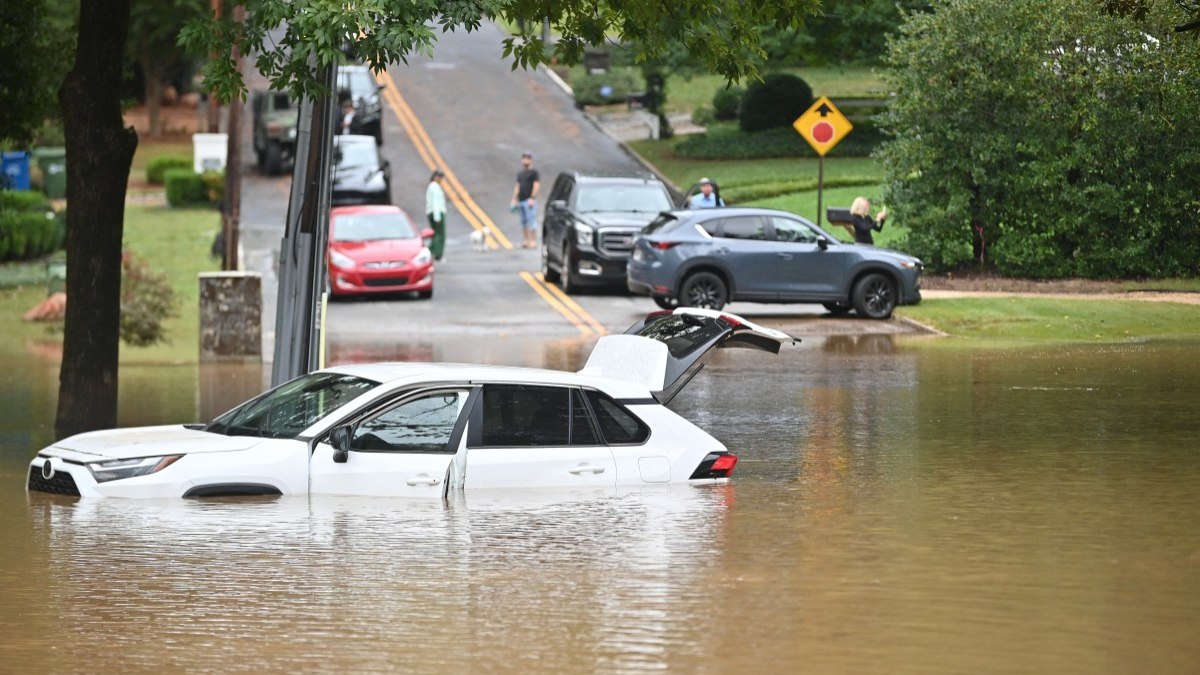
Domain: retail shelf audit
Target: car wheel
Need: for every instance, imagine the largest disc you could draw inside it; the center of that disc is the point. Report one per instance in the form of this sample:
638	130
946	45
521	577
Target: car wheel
425	295
837	308
565	282
665	302
549	275
874	296
273	163
704	289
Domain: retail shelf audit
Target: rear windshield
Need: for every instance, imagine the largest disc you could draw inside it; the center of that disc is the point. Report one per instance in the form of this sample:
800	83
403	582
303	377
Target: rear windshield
356	152
684	333
663	223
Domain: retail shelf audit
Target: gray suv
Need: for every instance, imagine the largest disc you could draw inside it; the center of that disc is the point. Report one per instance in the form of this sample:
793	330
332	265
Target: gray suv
590	224
706	258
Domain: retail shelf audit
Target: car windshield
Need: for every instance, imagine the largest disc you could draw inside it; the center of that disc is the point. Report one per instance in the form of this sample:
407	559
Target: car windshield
291	407
353	153
372	227
357	82
631	198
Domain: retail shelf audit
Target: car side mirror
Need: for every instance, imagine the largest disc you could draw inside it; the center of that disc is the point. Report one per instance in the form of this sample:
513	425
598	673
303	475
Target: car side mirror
558	204
822	243
427	233
339	438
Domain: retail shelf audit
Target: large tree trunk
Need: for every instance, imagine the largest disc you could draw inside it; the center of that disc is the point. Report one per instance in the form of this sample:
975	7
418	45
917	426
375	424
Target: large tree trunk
153	91
99	151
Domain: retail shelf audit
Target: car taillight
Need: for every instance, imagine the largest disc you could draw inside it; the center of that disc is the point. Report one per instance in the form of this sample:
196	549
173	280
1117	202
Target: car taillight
733	323
715	465
663	245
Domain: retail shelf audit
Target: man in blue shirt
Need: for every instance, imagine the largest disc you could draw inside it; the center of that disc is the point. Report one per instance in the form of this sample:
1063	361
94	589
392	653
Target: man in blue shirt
706	198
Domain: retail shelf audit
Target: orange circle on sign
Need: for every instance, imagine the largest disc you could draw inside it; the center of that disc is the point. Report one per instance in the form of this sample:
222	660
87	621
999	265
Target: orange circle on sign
822	132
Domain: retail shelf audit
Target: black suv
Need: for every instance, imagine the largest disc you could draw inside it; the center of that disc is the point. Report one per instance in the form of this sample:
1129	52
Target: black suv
590	224
356	84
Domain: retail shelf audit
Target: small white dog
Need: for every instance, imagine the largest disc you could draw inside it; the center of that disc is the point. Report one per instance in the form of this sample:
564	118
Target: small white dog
479	238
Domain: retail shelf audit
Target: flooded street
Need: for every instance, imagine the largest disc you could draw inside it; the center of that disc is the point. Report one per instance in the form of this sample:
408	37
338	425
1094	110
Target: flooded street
902	505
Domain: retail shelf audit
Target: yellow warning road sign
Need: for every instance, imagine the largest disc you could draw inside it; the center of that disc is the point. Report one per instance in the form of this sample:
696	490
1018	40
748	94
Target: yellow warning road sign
822	125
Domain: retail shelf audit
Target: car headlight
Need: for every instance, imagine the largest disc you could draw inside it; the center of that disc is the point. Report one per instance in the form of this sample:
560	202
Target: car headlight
341	260
910	264
292	133
423	257
130	468
583	234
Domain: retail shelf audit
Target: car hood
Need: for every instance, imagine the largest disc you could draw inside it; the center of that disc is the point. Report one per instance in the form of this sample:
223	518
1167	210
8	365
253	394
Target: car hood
379	250
618	219
176	439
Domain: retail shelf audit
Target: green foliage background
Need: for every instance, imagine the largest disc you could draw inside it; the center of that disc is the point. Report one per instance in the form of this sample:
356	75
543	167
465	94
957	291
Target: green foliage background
1046	140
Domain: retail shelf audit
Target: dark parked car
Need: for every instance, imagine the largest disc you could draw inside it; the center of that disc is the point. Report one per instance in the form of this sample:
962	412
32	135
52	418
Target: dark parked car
356	84
590	224
706	258
274	130
360	175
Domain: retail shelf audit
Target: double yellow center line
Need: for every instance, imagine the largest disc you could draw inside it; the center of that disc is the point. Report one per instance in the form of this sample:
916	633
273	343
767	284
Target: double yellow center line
552	295
433	159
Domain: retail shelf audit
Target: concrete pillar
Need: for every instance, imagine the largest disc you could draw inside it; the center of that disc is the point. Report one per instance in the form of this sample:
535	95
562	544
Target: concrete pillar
231	316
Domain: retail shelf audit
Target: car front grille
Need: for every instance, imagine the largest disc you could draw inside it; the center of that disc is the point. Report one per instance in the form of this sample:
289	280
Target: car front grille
616	242
385	281
61	483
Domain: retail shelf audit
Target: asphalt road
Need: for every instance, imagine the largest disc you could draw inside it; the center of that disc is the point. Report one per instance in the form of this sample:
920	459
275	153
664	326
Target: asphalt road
465	111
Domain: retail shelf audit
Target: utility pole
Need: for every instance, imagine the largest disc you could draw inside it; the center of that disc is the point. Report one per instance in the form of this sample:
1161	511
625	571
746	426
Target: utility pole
214	107
302	251
231	214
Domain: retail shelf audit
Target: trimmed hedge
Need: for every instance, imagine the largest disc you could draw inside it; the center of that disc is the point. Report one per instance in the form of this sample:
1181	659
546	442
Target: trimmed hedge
774	102
726	102
156	168
622	81
187	188
23	200
27	235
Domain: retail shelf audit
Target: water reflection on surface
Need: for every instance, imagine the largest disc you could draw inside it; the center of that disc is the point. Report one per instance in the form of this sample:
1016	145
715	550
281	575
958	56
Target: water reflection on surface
899	507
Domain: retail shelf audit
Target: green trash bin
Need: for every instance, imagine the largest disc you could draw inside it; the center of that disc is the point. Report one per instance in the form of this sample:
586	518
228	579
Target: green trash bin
53	163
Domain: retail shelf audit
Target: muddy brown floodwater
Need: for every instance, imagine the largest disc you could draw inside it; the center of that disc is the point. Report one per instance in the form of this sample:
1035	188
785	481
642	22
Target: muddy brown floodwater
903	505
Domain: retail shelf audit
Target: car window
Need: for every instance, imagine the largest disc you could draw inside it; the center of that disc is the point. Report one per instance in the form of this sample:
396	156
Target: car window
372	227
793	231
517	415
618	425
712	227
282	102
743	227
355	82
664	223
422	424
622	198
562	188
291	407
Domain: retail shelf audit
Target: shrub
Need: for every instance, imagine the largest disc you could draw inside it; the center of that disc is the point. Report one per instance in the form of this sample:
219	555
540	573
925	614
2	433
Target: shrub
147	300
774	102
23	200
703	116
725	103
214	186
185	188
588	87
156	168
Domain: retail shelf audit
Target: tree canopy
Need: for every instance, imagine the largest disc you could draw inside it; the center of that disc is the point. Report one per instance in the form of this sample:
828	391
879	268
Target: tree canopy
286	35
1047	140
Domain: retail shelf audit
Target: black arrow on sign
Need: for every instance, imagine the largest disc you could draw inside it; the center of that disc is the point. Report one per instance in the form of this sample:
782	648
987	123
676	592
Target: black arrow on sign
824	109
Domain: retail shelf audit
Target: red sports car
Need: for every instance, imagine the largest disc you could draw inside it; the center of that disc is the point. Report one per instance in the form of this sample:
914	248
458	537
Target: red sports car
376	249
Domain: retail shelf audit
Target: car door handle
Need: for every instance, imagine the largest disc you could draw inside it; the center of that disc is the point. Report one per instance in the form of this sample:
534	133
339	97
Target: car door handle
586	468
784	256
423	480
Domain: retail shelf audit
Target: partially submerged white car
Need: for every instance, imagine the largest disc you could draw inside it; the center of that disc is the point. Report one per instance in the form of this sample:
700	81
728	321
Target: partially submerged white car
425	429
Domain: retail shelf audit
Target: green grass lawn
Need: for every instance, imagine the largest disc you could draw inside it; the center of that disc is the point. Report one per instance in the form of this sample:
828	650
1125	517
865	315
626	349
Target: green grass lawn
173	241
1054	319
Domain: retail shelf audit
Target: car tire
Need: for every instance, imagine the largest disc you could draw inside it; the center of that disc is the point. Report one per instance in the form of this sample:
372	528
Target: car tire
425	295
665	302
837	308
874	296
565	282
273	159
548	275
705	290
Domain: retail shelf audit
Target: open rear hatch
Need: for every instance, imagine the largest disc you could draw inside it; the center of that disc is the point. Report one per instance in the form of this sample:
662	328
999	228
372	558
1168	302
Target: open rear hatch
665	350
